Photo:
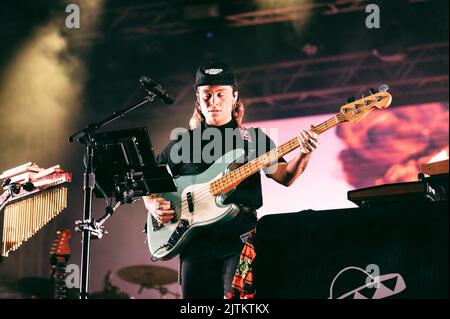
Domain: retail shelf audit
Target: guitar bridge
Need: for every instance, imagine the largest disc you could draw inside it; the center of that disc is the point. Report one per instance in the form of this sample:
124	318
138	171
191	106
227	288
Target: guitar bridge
179	231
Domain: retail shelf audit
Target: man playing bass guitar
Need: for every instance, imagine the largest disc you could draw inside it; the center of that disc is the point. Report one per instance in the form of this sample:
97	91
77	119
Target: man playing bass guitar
209	258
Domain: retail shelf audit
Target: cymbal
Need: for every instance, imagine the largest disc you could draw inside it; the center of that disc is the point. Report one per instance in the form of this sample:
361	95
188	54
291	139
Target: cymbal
148	276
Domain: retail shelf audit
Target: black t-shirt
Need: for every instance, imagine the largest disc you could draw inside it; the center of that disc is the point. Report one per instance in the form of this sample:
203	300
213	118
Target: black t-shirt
191	152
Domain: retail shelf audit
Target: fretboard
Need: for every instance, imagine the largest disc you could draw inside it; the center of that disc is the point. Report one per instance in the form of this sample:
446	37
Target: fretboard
233	178
59	284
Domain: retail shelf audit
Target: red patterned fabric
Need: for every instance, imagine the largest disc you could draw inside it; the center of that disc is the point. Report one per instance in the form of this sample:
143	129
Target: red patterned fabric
242	284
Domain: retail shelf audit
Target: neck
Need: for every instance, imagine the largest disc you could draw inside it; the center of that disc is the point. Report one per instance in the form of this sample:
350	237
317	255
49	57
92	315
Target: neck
230	121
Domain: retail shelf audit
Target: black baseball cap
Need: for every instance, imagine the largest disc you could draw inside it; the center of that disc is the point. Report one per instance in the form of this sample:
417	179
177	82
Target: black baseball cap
215	73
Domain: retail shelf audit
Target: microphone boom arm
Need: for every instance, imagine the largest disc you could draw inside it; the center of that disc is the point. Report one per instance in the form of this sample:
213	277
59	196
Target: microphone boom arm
80	136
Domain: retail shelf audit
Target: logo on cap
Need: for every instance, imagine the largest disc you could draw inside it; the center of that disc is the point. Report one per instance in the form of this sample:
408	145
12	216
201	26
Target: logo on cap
213	71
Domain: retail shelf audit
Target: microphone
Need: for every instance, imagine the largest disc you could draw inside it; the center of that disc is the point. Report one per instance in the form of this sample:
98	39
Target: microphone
156	89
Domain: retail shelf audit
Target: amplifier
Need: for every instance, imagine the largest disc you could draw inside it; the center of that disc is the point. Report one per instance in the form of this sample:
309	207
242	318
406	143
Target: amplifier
429	189
395	251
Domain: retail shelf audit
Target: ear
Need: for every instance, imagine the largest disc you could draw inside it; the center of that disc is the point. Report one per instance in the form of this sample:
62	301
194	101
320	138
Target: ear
236	96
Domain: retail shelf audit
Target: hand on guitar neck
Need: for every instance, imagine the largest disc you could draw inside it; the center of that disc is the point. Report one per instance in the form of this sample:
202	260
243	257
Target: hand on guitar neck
309	141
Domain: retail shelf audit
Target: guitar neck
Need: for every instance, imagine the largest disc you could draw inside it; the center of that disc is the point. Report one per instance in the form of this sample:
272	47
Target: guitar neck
233	178
59	282
59	256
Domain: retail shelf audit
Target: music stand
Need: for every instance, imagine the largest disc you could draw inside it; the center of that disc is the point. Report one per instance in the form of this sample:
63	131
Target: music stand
124	161
125	167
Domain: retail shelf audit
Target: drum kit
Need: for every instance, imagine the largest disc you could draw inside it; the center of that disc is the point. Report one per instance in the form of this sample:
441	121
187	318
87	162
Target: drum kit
145	276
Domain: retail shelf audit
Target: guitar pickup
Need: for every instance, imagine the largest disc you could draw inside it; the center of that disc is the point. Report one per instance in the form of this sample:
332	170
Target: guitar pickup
190	202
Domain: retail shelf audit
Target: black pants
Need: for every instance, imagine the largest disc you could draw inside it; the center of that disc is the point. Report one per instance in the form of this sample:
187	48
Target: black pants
208	278
209	261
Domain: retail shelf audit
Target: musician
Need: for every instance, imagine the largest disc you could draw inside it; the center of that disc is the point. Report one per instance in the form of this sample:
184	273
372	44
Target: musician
210	258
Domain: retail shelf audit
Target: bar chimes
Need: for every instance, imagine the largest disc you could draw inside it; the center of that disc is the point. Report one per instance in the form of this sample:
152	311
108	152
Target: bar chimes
31	207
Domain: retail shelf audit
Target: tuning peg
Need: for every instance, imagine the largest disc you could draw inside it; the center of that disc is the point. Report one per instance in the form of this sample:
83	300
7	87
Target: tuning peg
371	91
383	88
351	99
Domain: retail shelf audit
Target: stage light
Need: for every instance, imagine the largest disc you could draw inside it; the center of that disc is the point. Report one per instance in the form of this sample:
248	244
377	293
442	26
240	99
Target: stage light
297	12
41	92
201	11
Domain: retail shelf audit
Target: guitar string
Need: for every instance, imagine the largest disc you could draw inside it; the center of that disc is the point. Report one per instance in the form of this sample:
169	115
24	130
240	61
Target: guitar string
227	178
272	158
204	192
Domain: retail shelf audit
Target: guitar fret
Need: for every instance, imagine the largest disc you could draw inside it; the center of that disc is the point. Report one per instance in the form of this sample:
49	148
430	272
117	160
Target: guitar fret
233	178
227	181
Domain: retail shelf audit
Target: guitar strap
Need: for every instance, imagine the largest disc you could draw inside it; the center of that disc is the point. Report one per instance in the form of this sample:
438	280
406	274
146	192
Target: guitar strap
249	145
245	134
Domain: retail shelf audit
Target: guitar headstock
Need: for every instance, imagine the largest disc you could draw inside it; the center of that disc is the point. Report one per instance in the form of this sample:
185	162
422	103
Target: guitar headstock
356	110
60	251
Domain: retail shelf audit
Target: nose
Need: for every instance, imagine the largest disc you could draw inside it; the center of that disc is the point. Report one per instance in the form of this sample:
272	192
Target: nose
212	100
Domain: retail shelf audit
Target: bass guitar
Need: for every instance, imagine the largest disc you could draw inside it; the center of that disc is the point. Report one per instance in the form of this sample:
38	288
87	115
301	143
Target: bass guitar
200	199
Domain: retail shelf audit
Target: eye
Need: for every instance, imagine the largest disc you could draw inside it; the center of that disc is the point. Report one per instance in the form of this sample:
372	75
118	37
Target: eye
206	96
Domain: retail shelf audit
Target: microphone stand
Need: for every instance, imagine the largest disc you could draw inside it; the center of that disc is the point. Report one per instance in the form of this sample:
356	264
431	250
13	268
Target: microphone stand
88	226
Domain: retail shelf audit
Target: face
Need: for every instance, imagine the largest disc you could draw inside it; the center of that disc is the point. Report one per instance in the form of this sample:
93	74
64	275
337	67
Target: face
216	103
